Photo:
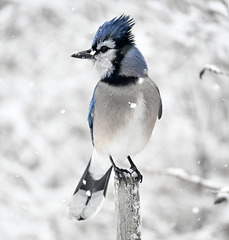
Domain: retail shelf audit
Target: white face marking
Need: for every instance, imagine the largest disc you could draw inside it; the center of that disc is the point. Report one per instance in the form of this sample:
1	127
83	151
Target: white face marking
84	182
92	53
103	61
132	105
140	80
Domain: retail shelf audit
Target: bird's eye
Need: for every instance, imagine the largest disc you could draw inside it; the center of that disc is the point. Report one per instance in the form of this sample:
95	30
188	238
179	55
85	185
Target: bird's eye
103	49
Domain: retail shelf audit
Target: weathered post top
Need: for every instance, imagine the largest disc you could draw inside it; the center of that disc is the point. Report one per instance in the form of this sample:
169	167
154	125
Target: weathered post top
127	208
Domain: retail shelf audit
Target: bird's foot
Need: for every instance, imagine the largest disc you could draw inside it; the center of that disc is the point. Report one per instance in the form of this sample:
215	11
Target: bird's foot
135	170
120	172
139	175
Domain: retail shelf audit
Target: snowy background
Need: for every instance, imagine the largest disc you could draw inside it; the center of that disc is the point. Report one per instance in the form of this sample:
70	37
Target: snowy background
44	96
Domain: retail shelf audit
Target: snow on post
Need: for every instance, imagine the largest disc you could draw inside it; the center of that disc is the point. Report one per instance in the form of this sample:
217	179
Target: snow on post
127	208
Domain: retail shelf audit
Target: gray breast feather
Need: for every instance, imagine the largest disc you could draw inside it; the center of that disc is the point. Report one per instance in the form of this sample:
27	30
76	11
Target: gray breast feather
114	108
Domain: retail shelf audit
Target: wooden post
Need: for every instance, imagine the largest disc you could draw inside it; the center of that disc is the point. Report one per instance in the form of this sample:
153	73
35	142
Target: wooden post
127	208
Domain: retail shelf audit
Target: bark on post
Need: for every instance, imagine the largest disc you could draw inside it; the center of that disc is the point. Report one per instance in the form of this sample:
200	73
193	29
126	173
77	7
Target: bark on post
127	209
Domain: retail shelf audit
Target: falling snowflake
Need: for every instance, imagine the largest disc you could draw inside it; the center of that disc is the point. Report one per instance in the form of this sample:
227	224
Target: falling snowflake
88	192
132	105
62	111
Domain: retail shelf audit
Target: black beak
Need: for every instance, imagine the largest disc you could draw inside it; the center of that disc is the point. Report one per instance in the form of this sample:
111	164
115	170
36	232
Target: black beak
88	54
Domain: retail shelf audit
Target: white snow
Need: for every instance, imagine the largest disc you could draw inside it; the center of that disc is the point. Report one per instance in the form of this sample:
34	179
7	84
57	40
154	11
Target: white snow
140	80
88	193
212	68
195	210
132	105
40	83
63	111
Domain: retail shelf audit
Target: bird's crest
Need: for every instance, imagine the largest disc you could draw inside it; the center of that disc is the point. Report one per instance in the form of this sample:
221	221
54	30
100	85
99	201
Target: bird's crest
118	29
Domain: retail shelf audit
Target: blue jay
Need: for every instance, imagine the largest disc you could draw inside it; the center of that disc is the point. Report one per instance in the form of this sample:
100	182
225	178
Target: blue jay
122	113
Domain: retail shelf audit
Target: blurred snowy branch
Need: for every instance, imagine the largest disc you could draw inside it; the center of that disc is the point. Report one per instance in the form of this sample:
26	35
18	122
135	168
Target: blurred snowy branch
226	4
222	192
212	68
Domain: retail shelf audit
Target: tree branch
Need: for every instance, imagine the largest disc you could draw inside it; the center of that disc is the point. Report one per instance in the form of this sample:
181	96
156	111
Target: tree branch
221	191
214	69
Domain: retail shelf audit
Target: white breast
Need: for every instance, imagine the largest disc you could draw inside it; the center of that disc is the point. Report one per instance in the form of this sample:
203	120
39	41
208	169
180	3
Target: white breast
131	138
125	117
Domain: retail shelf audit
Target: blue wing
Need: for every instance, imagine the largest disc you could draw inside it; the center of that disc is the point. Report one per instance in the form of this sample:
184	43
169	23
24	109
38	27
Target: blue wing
90	116
160	107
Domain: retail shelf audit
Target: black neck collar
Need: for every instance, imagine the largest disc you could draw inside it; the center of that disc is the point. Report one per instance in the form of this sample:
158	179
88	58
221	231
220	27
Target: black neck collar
115	78
119	80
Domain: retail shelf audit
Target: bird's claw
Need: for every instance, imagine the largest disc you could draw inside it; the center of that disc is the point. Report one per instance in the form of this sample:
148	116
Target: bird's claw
135	170
121	173
139	175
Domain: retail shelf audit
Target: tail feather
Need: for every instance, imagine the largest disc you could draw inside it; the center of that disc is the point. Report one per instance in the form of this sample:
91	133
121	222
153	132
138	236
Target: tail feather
89	194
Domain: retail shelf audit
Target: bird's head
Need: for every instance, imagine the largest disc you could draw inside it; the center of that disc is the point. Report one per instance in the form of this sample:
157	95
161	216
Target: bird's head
112	41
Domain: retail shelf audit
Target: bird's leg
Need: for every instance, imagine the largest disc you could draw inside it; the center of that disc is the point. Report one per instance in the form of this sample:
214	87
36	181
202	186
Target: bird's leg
134	168
119	172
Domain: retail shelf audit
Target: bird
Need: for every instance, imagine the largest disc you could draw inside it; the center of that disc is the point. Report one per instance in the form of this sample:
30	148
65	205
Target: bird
122	113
